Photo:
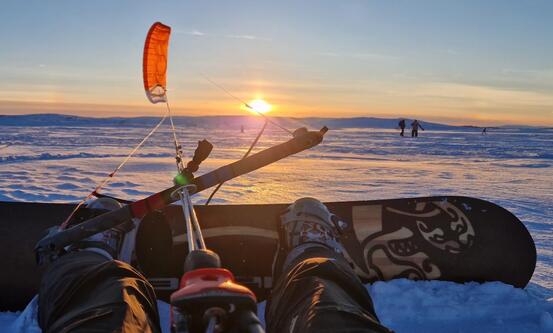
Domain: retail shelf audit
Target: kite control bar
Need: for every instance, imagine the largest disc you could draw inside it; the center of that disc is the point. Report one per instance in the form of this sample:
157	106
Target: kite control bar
48	247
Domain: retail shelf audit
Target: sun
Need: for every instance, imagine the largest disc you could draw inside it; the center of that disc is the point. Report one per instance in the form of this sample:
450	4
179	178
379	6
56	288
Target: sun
259	106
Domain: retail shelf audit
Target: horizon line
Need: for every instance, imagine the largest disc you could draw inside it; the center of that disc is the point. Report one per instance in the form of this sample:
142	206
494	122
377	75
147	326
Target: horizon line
280	117
95	110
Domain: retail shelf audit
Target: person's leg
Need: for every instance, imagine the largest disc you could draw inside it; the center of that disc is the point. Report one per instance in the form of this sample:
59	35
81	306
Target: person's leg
321	293
402	132
85	291
317	290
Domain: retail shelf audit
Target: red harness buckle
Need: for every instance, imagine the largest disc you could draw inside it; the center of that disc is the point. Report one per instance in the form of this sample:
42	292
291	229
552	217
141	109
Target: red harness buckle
205	293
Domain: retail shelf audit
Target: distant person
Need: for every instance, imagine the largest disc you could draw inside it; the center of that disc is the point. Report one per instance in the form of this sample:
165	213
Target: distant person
401	125
484	131
242	129
415	128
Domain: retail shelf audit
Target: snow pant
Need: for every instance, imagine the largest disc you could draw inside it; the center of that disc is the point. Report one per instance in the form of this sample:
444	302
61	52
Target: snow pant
414	133
402	131
85	292
321	293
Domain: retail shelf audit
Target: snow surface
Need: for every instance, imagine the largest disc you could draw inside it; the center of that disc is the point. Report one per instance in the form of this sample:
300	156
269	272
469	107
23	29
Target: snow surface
509	166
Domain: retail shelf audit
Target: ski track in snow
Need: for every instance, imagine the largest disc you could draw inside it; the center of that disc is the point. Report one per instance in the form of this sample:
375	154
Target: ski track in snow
513	168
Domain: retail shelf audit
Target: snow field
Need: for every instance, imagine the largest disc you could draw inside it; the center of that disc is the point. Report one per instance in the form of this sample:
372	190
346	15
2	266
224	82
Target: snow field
511	167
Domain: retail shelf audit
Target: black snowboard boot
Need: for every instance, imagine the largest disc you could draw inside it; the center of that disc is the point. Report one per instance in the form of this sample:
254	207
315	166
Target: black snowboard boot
306	225
108	243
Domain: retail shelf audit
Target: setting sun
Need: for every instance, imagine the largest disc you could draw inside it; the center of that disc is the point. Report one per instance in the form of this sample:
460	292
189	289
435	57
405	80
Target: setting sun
259	105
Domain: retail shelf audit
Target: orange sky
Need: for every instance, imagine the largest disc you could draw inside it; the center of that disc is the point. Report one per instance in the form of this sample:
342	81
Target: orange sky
451	62
233	108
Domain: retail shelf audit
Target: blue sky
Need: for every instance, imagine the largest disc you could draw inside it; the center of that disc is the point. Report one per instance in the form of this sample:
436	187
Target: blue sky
478	62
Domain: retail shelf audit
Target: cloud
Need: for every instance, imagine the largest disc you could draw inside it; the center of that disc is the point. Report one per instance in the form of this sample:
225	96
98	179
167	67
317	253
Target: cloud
328	54
373	56
360	56
544	75
247	37
198	33
483	96
193	32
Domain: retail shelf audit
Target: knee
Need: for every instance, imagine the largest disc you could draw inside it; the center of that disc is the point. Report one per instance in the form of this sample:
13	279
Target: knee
311	263
320	267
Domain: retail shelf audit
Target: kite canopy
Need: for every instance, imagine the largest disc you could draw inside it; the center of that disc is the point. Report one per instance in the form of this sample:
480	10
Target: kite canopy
155	62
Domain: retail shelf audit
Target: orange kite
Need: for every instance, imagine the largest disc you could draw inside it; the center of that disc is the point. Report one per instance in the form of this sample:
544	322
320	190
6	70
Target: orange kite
155	62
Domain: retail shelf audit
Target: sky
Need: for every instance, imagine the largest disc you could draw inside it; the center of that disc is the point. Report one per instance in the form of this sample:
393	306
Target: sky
458	62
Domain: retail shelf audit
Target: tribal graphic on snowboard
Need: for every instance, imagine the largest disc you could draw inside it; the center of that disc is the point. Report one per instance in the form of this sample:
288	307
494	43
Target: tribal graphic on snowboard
400	247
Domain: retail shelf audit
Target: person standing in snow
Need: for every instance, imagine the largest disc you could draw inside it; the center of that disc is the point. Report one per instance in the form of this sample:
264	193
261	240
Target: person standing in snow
316	289
401	125
415	128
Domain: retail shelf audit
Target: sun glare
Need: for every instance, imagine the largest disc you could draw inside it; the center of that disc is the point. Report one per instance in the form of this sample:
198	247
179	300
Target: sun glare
259	105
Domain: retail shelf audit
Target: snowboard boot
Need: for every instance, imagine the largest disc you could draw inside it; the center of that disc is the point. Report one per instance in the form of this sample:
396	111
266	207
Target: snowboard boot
305	226
107	243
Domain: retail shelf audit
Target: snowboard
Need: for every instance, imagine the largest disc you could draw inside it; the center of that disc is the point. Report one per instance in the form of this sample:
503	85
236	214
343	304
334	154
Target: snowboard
449	238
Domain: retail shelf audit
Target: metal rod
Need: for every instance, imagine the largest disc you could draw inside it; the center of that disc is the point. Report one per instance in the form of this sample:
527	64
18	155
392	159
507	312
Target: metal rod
195	222
183	193
211	325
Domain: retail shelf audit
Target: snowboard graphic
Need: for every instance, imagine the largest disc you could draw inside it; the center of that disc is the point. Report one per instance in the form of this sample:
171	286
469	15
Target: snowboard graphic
437	238
450	238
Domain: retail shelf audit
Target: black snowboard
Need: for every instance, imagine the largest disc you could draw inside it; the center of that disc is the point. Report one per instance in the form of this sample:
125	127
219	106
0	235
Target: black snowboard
435	238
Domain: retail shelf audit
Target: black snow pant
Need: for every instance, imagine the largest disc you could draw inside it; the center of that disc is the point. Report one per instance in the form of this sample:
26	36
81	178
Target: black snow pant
402	131
414	133
321	293
85	292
